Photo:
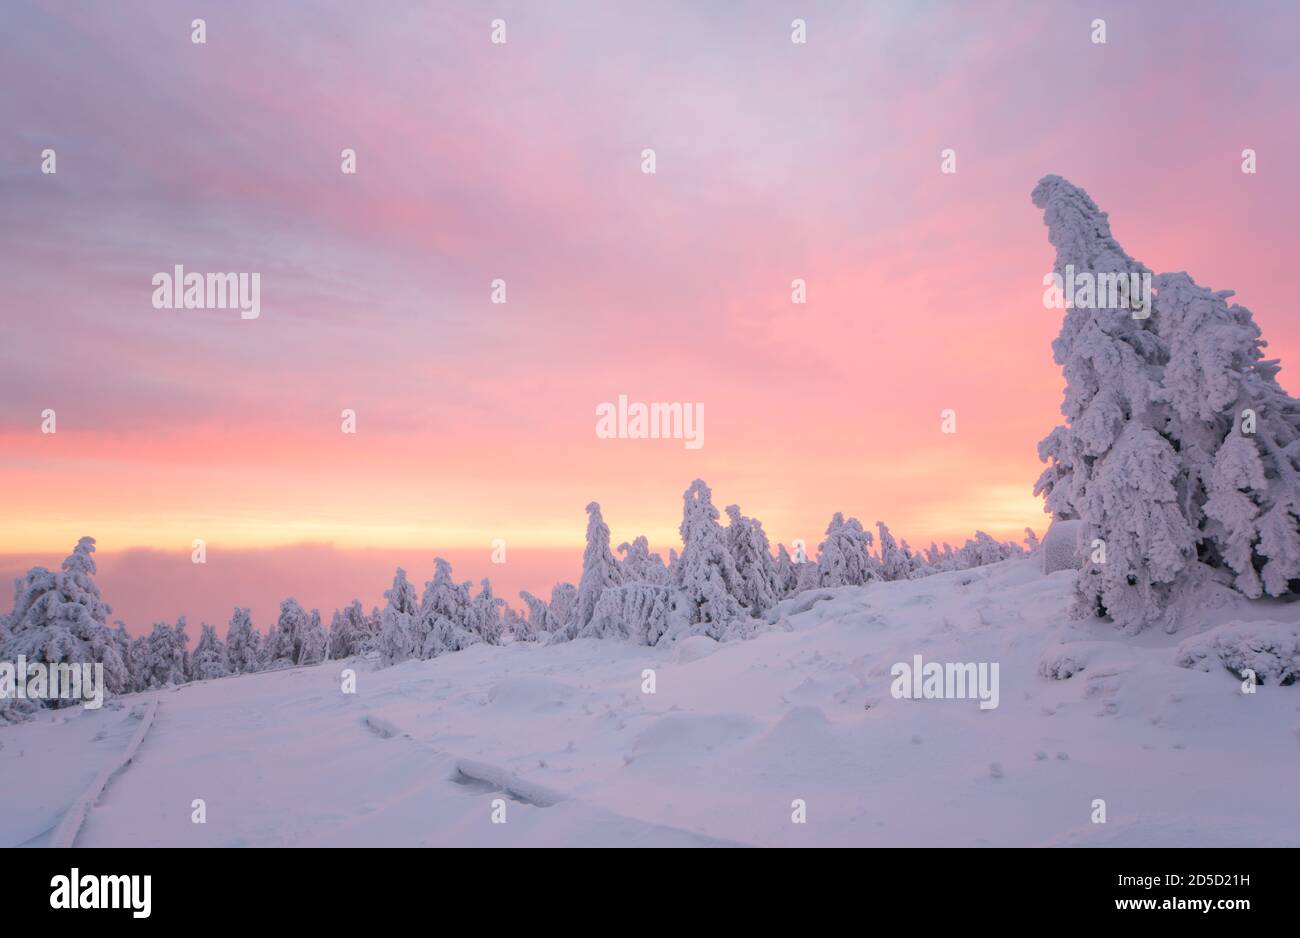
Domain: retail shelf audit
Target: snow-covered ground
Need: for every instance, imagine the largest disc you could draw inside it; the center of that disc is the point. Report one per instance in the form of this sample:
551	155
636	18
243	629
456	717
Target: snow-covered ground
733	735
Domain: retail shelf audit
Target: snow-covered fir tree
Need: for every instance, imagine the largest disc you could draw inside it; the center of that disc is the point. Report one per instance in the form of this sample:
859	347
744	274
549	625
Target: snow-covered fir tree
787	572
209	658
1179	452
243	644
706	573
599	571
397	640
537	617
1109	465
1238	436
351	631
485	614
285	636
639	565
516	625
760	586
59	617
845	558
895	563
312	645
638	612
443	623
563	606
166	659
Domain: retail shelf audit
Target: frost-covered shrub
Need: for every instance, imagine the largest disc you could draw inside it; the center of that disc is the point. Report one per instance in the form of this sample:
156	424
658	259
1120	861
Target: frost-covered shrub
1270	649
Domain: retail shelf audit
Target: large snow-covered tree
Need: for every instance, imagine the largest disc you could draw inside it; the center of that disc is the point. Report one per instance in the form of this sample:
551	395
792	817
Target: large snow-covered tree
1180	452
59	617
1111	464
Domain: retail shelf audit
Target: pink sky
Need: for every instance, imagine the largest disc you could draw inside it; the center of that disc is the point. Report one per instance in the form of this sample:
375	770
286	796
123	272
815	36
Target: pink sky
476	421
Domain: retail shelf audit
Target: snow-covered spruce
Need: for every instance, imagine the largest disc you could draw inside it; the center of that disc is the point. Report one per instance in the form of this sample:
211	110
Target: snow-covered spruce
352	632
243	644
209	658
845	558
1180	451
59	617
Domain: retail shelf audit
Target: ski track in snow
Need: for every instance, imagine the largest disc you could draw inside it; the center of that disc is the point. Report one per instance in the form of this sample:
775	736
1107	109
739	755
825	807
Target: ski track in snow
734	734
65	835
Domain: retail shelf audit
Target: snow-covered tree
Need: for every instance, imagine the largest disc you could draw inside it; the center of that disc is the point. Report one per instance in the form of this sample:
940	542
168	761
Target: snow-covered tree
243	644
1237	434
599	571
485	614
398	639
537	619
122	642
787	572
1031	541
706	573
351	631
563	606
311	646
1186	398
166	658
444	623
60	618
1111	464
285	637
844	558
760	586
895	563
209	658
517	625
639	565
636	612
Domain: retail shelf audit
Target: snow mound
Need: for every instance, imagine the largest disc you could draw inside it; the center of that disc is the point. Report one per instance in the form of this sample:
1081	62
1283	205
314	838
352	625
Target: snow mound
1270	649
1060	547
693	649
